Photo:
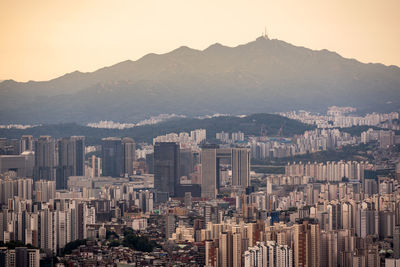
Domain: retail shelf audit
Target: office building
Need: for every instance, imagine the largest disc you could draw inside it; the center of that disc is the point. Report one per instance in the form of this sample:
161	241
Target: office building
129	151
166	167
112	157
22	164
71	159
186	162
150	163
211	157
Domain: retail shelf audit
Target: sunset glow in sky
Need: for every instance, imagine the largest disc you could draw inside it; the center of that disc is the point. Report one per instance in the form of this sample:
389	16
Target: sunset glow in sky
44	39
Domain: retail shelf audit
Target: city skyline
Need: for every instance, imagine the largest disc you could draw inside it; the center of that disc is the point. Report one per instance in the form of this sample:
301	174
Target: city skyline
221	134
226	199
102	34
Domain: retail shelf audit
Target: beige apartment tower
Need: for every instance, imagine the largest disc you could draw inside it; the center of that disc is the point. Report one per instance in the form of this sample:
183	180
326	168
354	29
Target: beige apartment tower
210	166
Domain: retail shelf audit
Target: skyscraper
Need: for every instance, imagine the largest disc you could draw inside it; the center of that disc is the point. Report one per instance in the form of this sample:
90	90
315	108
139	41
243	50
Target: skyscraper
240	167
225	249
186	162
112	157
210	164
45	159
237	249
26	143
150	163
129	148
306	244
95	164
71	159
166	167
209	181
334	215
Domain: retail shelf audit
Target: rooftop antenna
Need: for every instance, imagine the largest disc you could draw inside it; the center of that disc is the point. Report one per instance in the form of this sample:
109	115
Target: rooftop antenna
265	33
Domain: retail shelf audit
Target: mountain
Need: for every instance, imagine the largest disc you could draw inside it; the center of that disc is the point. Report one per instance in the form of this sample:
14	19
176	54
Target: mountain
261	76
249	125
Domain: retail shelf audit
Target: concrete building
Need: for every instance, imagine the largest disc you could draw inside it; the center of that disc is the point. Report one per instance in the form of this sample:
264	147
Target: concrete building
129	154
45	159
396	242
45	190
166	167
112	157
225	252
71	159
269	254
27	143
306	244
22	164
211	157
240	167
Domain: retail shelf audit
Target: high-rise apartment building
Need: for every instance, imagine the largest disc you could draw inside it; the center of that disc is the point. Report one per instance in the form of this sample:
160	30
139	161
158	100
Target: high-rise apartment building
45	159
306	244
25	257
45	190
209	172
27	143
225	250
10	188
237	249
269	254
19	257
95	166
240	167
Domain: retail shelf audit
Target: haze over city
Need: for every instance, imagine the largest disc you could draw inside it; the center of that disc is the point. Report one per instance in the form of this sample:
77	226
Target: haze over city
199	133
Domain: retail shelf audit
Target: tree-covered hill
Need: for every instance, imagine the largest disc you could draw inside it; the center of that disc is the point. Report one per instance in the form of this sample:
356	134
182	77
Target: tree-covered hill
249	125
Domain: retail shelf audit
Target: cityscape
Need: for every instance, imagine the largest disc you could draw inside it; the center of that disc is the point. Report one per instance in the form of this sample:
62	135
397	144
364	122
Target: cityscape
260	153
189	198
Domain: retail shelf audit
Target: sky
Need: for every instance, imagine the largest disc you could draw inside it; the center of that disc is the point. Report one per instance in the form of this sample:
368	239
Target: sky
44	39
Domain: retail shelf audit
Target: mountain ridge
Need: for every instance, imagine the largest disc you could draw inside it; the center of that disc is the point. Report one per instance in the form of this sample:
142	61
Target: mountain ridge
199	50
261	76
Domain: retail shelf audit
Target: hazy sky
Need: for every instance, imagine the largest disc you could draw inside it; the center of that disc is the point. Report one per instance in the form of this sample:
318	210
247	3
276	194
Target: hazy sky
43	39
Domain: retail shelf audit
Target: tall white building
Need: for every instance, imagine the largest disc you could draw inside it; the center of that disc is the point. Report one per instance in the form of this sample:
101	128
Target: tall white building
269	254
